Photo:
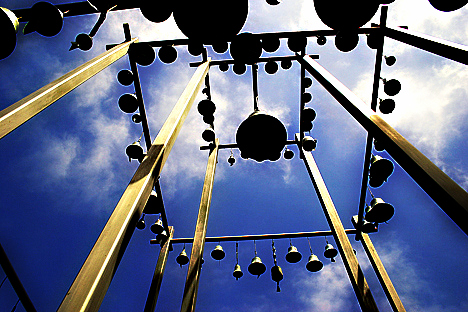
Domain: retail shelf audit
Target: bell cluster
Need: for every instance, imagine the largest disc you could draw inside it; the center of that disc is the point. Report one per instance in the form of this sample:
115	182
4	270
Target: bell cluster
153	207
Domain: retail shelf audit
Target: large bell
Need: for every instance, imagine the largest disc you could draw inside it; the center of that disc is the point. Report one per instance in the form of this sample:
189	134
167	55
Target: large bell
182	258
379	171
218	253
277	276
379	211
293	255
156	11
46	19
448	6
314	264
346	14
256	267
330	252
261	137
157	227
153	205
237	272
135	151
246	48
9	26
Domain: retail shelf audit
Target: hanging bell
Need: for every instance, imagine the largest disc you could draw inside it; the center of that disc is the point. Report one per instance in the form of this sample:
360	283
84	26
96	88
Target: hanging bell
153	205
206	107
288	154
237	272
167	54
239	68
390	60
321	40
378	146
195	48
125	77
224	67
231	160
277	276
346	41
386	106
156	11
218	253
182	258
9	25
220	47
271	67
309	144
308	114
330	252
142	53
391	87
366	226
141	223
246	48
297	44
161	239
314	264
271	44
209	135
286	64
379	211
346	14
157	227
307	82
83	42
136	118
379	171
256	267
46	19
293	255
128	103
135	151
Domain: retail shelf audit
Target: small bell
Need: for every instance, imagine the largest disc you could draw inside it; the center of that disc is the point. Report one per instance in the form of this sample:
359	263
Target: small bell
346	41
206	107
286	64
128	103
378	146
142	53
135	151
83	42
309	144
167	54
224	67
391	87
321	40
220	47
288	154
231	160
271	67
157	227
379	211
209	135
293	255
297	43
271	44
182	258
366	226
141	223
330	252
308	114
277	276
386	106
218	253
379	171
256	267
307	82
153	205
314	264
306	97
136	118
390	60
161	239
237	272
125	77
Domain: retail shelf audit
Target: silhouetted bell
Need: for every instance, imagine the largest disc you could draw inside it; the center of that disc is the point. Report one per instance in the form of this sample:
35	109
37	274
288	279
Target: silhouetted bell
330	252
293	255
345	14
83	42
306	126
156	11
380	170
167	54
182	258
142	53
256	267
239	68
9	26
209	119
128	103
125	77
373	40
206	107
366	226
157	227
379	211
391	87
448	6
288	154
378	146
224	67
309	144
306	97
273	2
218	253
220	47
246	48
141	223
297	43
237	272
307	82
195	48
161	239
261	137
277	276
286	64
390	60
136	118
321	40
209	135
153	205
271	44
231	160
135	151
308	114
386	106
346	41
314	264
271	67
45	18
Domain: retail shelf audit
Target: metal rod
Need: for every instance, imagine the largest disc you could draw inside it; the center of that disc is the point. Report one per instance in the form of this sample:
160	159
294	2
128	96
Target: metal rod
450	197
375	94
355	274
15	281
256	237
301	102
193	274
255	85
153	292
453	51
16	114
259	60
91	284
382	275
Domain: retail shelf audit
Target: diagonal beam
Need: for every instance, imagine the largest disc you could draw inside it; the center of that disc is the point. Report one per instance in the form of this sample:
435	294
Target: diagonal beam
91	284
450	197
16	114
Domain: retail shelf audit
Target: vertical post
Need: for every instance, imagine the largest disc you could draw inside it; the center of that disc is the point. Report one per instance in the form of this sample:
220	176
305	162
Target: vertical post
158	274
360	286
16	114
382	275
91	284
193	275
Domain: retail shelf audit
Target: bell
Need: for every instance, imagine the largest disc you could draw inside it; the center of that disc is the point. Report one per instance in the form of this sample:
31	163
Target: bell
378	146
366	226
239	68
293	255
182	258
286	64
346	14
83	42
141	223
306	126
447	6
218	253
46	19
277	276
288	154
297	43
153	205
135	151
261	137
224	67
220	47
379	211
321	40
373	40
157	227
307	82
206	107
167	54
161	239
309	144
379	171
271	67
330	252
128	103
209	135
273	2
195	48
392	87
314	264
231	160
142	53
256	267
156	11
125	77
237	272
246	48
386	106
271	44
308	114
346	41
9	26
136	118
306	97
390	60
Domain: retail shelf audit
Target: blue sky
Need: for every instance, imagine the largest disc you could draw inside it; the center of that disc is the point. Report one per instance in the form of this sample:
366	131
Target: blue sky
64	171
